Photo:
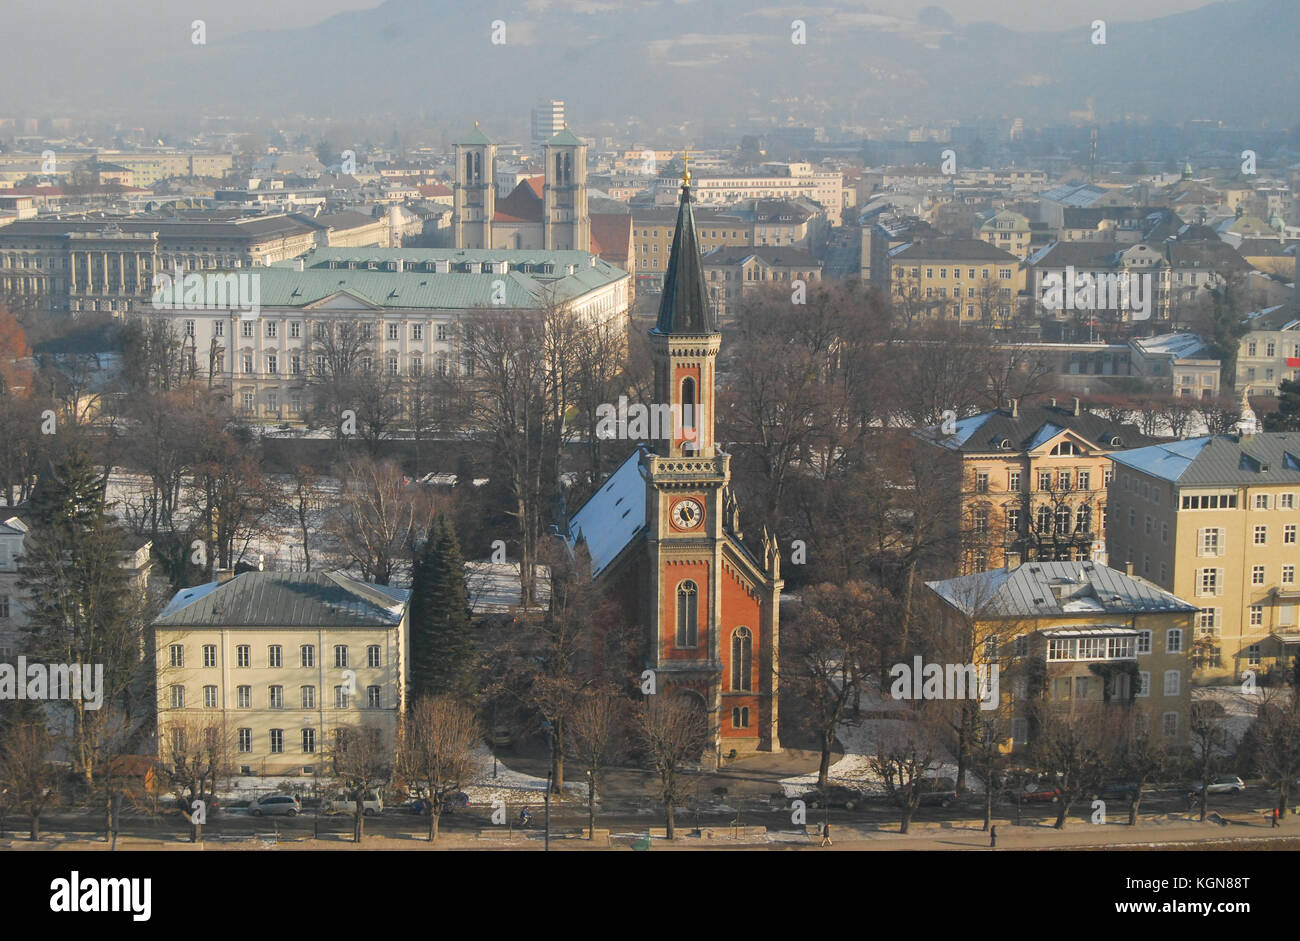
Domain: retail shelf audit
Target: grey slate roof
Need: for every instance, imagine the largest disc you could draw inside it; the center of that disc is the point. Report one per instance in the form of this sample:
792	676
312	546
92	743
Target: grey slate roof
1221	460
945	249
1034	424
1027	591
286	599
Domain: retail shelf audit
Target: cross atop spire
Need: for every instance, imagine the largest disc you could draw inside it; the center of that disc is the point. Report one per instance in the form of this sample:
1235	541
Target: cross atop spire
686	164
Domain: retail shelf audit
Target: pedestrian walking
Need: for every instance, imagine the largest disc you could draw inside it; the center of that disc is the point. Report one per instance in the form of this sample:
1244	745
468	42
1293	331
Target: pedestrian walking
993	837
1274	817
826	835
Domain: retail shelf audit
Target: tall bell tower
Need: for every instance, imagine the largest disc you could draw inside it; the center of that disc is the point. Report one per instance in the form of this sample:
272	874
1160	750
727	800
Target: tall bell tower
710	607
566	223
474	194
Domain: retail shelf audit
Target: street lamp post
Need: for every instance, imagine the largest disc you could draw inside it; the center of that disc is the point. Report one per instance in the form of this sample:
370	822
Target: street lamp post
549	776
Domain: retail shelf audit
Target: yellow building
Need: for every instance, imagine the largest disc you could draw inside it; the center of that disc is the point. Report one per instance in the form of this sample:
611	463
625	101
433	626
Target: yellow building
960	280
1008	231
1077	636
1214	520
278	661
1030	482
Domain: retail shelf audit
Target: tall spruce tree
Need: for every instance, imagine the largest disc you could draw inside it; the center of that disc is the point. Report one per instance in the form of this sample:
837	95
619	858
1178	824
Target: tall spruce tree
81	605
442	645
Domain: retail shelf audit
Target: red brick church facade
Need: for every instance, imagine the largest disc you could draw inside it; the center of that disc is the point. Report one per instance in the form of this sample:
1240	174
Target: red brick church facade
663	532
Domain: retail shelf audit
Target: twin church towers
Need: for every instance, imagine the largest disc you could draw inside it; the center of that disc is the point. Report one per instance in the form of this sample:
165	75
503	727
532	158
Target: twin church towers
548	213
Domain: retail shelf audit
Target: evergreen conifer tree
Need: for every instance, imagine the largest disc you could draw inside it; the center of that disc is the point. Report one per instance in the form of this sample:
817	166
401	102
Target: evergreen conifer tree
442	645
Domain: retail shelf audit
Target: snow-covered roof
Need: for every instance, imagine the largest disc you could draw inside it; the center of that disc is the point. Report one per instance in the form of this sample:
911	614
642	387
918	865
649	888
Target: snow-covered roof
613	516
1177	345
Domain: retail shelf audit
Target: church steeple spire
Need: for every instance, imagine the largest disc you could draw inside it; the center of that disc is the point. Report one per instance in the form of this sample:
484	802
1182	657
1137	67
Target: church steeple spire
684	307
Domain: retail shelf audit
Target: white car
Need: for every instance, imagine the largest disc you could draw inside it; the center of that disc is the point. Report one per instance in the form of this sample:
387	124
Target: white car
372	804
1223	784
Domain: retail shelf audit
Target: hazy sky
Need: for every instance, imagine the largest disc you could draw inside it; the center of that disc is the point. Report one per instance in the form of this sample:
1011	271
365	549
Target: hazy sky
86	23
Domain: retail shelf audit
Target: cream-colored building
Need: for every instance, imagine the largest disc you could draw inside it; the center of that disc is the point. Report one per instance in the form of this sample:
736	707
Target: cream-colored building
278	661
408	305
1077	636
1030	482
960	280
1214	520
1008	231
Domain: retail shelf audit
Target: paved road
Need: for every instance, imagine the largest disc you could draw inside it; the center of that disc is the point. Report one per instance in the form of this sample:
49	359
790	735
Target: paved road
569	816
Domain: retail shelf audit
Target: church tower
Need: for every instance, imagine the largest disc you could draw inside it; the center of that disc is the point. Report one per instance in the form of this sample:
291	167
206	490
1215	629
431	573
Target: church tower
709	606
474	194
566	223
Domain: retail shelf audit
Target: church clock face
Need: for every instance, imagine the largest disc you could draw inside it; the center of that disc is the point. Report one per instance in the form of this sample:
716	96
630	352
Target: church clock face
687	514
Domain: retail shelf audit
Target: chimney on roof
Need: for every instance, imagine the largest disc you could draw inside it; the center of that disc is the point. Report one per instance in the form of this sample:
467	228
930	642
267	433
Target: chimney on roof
1014	405
1013	560
1128	568
224	575
1052	402
1077	410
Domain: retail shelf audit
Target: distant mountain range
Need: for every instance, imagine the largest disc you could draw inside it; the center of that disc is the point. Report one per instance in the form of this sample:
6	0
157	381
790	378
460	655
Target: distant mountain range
711	61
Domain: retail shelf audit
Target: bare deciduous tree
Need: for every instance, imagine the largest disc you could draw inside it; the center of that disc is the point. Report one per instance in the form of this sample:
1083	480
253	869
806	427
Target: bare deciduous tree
671	729
436	752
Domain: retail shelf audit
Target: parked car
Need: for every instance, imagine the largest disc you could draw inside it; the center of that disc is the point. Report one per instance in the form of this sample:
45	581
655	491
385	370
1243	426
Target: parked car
1117	791
371	804
276	805
937	792
1223	784
1036	791
833	796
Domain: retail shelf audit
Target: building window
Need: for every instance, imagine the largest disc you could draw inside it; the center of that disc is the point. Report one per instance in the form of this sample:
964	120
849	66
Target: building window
1261	535
1288	534
1171	724
1261	501
1021	647
274	655
740	717
1143	683
1209	582
1256	615
372	656
219	328
276	698
4	607
1253	657
417	331
980	519
245	740
178	697
1013	481
177	655
272	363
394	331
742	653
246	329
1288	575
1085	480
309	741
209	697
1257	574
1173	682
295	329
308	655
340	656
341	698
374	698
277	741
1013	520
309	697
243	655
1174	640
982	482
1286	501
1044	480
1211	542
1208	620
687	614
244	697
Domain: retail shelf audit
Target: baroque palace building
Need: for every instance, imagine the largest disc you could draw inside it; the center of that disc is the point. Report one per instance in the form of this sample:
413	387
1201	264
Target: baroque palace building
663	532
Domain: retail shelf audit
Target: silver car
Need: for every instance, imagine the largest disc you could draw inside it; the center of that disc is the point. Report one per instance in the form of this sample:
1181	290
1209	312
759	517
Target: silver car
1223	784
276	805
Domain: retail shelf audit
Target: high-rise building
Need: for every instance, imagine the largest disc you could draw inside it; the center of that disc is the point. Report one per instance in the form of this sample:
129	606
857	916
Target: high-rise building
548	120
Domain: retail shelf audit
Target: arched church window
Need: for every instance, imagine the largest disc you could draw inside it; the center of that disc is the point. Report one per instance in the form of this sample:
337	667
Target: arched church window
688	612
688	403
742	659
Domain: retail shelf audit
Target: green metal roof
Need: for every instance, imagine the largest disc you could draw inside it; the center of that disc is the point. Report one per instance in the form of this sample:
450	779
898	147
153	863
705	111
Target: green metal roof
565	138
286	599
476	138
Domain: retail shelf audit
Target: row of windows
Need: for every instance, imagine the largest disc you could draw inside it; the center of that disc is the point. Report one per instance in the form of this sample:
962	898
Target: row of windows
275	655
415	365
1064	480
1020	727
275	697
271	330
1211	581
308	737
1270	349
